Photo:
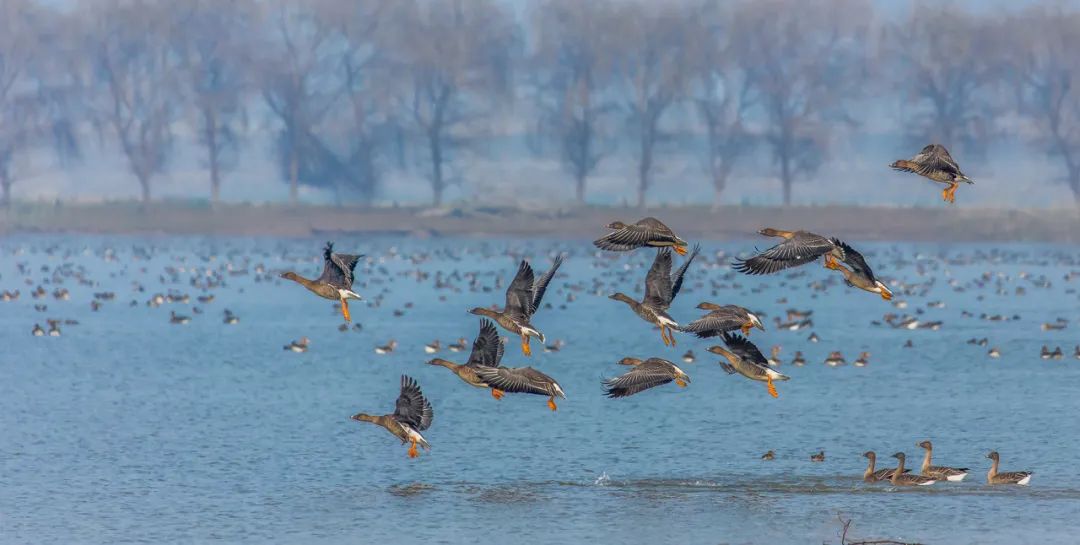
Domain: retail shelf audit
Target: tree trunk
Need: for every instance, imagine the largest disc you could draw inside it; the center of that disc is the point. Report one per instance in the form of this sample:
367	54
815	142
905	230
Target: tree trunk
294	177
144	183
785	178
213	158
579	186
1074	184
719	183
5	198
435	145
644	166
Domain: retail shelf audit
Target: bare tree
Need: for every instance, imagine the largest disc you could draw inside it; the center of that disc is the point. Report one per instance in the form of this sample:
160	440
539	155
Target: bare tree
1046	73
296	75
19	105
574	60
651	44
940	61
720	88
135	66
802	58
215	58
461	61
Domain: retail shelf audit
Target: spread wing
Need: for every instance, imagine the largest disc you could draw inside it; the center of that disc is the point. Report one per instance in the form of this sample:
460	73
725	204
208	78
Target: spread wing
412	408
519	295
541	285
798	250
726	318
745	349
520	380
658	288
652	373
855	260
933	158
338	268
487	348
676	282
636	235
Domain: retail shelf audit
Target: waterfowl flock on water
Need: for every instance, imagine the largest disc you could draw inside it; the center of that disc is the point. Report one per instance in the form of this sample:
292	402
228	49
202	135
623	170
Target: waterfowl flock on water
724	330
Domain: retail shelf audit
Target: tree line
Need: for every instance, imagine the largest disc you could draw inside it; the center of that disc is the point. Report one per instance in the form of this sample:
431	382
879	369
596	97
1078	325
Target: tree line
353	89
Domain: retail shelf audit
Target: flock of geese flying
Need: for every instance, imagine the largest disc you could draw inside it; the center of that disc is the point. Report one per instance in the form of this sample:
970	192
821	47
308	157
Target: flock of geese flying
731	324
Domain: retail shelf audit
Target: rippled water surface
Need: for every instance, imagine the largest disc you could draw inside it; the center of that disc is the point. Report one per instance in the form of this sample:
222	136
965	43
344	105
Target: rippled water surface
129	428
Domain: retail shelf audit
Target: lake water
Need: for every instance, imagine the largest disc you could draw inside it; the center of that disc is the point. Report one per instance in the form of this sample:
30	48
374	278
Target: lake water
128	428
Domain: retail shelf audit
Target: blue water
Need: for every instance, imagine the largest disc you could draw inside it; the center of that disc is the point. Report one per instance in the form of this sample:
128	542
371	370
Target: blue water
128	428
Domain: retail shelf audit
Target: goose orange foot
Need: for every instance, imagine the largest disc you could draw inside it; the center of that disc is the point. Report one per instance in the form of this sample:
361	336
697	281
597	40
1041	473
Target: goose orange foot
671	337
525	346
663	335
551	404
746	329
345	310
681	250
680	382
412	450
496	393
772	388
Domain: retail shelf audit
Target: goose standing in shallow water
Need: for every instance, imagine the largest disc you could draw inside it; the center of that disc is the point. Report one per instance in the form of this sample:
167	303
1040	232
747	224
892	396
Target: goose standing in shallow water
935	163
1010	477
412	415
335	282
721	319
661	287
487	351
644	375
901	478
523	299
871	475
646	232
954	474
745	358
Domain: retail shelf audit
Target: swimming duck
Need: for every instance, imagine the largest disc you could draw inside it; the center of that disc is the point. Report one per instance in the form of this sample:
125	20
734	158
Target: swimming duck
175	318
646	232
863	361
769	456
798	360
433	347
689	357
386	348
1057	354
457	346
54	329
798	248
995	353
872	476
935	163
1076	352
230	318
1011	477
38	331
661	287
745	358
835	359
1045	353
721	319
819	457
412	415
335	282
554	346
902	478
298	346
522	380
487	351
644	375
774	358
522	301
954	474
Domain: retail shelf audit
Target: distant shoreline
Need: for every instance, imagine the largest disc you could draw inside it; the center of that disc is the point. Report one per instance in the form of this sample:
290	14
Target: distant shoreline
947	223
